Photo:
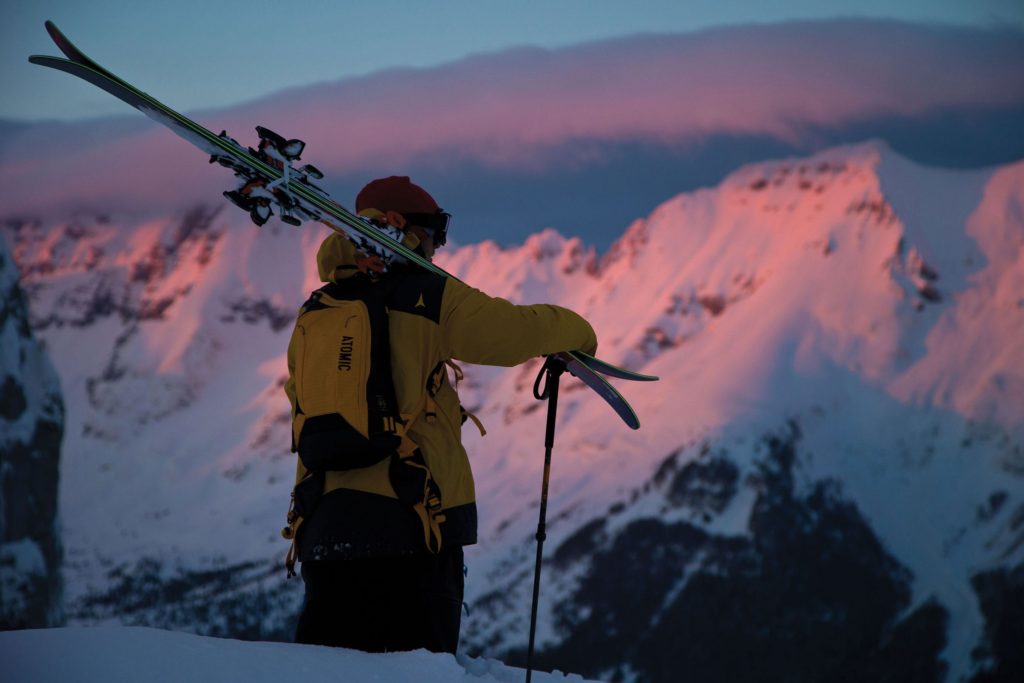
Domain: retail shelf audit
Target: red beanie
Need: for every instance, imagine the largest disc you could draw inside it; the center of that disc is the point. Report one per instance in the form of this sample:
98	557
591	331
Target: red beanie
396	193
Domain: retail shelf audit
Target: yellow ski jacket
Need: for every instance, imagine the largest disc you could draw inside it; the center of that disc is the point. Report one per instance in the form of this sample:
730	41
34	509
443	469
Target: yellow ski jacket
431	320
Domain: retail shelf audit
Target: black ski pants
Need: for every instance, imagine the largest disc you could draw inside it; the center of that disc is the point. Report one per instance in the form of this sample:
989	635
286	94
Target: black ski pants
384	604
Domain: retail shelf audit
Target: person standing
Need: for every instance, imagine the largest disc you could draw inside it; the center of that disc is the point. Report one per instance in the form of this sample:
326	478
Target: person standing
381	516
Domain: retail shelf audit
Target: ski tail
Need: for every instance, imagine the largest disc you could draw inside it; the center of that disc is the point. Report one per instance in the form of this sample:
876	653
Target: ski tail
70	50
606	368
606	391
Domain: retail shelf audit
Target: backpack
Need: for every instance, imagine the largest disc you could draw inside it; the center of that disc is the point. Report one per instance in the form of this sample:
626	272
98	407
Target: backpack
346	413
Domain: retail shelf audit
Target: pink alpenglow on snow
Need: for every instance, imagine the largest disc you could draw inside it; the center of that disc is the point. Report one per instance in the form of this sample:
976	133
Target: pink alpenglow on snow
876	301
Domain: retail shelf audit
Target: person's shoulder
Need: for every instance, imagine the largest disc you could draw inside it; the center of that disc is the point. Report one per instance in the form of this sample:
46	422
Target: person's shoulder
418	292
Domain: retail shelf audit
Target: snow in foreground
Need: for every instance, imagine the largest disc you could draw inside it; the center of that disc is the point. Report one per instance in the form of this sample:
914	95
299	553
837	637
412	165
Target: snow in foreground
111	654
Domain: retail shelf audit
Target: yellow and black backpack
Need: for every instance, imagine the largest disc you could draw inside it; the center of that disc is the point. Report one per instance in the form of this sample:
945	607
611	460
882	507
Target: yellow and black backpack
346	413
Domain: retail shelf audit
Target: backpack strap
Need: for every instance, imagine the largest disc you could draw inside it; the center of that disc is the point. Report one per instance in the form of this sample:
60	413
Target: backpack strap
434	385
305	495
459	374
415	486
476	420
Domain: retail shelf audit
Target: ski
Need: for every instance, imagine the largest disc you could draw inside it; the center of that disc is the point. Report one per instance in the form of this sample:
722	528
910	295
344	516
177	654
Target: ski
606	368
581	371
293	189
269	179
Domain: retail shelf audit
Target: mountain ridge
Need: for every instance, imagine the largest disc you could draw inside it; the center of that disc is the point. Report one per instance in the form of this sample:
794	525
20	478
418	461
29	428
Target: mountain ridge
803	337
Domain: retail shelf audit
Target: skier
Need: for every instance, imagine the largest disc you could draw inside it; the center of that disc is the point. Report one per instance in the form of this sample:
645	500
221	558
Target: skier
381	545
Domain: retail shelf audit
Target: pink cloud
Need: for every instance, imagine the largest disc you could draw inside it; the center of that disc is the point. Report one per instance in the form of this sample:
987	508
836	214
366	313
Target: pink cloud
770	80
510	109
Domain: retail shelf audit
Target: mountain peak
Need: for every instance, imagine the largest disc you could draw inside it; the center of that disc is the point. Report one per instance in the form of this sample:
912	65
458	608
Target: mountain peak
873	301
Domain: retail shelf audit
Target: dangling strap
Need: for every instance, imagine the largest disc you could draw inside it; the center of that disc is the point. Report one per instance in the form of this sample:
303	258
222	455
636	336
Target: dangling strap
459	374
476	420
291	559
415	486
290	532
312	488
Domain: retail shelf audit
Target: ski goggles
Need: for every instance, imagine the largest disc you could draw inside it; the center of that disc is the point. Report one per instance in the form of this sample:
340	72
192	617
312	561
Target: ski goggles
436	223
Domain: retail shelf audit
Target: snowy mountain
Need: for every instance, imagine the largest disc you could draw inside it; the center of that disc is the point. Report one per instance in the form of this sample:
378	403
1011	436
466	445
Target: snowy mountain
828	476
833	457
31	426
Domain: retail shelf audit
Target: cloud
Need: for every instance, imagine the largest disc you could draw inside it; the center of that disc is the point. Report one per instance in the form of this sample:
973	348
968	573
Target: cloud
533	112
774	80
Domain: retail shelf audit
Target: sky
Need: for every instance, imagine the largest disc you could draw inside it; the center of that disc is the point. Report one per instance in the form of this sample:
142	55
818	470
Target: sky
203	55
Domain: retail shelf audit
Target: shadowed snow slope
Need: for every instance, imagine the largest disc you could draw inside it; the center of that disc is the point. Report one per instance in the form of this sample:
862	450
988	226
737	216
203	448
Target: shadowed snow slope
127	655
830	469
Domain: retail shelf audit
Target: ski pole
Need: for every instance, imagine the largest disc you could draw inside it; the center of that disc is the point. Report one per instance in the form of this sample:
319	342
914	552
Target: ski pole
552	370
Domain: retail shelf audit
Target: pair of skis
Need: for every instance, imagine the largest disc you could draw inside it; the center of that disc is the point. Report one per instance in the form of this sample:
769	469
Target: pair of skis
268	178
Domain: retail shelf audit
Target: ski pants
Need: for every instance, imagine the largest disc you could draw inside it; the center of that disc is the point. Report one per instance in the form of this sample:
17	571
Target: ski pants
384	604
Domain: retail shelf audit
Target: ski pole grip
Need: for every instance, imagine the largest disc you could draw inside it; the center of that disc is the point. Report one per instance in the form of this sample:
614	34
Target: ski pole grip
552	368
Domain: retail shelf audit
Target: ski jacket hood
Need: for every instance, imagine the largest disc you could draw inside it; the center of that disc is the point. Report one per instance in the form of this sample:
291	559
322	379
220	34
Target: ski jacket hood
336	258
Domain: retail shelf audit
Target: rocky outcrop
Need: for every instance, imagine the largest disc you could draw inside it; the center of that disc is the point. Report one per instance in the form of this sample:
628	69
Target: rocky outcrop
808	594
31	427
1001	596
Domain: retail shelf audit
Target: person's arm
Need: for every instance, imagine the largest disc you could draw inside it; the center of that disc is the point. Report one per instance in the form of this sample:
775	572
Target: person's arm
477	328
